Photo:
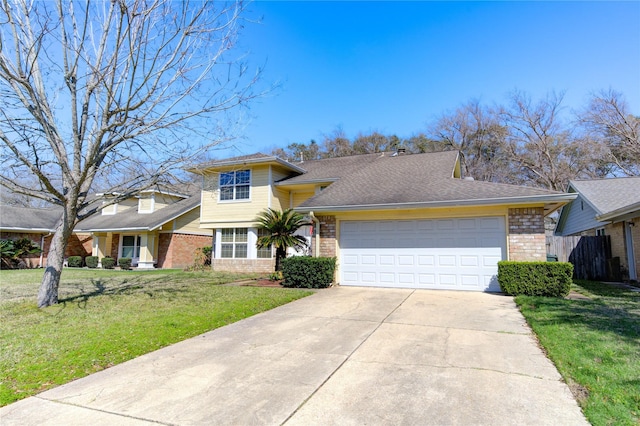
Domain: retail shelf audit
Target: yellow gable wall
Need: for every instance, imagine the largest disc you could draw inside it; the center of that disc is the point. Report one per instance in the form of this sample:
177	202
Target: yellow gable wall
188	223
214	211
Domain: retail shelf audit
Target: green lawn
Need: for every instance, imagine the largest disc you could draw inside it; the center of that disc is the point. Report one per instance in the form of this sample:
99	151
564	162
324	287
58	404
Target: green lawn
107	317
595	345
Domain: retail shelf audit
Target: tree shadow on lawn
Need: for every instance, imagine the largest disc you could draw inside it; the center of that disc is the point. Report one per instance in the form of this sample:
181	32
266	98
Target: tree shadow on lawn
107	287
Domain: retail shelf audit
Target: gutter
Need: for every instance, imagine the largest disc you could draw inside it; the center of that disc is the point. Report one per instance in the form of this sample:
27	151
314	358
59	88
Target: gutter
453	203
316	252
627	210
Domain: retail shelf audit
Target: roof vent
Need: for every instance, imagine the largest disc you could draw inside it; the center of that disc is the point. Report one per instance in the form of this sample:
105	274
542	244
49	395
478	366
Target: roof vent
401	150
469	178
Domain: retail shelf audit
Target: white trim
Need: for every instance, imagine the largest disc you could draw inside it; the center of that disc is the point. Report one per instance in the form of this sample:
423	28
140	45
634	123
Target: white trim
631	258
451	203
234	200
270	187
152	204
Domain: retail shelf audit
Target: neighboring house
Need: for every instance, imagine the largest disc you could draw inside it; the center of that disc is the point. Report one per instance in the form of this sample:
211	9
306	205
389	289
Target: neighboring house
156	229
607	207
391	220
38	225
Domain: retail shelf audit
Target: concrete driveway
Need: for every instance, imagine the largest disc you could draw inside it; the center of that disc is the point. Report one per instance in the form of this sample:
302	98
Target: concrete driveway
347	356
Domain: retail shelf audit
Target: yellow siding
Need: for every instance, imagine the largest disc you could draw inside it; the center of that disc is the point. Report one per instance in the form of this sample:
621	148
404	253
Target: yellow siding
280	201
188	223
432	213
214	211
300	197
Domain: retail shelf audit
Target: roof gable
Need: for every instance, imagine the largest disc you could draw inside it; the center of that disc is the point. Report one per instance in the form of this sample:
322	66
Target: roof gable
608	195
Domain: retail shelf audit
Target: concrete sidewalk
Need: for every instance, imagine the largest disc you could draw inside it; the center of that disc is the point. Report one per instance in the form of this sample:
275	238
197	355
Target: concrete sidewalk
342	356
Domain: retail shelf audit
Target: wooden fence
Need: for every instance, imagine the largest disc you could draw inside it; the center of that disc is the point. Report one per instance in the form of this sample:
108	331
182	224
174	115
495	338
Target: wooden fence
590	256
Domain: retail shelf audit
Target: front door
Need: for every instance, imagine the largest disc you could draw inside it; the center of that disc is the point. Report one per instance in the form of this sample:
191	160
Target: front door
131	248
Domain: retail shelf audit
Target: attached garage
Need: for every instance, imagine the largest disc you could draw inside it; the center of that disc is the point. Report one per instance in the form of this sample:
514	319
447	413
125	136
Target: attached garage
451	254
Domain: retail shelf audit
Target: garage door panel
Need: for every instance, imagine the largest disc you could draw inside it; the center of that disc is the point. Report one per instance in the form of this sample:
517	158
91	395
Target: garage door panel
459	253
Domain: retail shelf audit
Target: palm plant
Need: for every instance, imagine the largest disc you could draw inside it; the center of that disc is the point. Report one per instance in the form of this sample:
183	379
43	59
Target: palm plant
280	227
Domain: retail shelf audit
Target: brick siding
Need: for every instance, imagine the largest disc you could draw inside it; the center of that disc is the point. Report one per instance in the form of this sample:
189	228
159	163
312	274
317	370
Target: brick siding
178	250
327	236
244	265
77	245
527	234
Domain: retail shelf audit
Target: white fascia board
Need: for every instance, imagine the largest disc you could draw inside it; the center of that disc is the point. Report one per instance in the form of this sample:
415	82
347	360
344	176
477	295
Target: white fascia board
26	230
453	203
263	160
622	213
306	182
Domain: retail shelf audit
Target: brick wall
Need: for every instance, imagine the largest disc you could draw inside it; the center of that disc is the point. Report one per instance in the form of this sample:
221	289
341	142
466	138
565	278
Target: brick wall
619	245
77	245
178	250
327	236
244	265
526	234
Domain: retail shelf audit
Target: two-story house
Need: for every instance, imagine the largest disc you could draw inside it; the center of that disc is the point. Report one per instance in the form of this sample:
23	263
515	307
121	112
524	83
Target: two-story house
391	220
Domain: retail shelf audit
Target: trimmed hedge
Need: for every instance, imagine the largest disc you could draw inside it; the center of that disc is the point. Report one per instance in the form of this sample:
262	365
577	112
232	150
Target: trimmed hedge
308	272
551	279
108	262
91	261
74	261
124	263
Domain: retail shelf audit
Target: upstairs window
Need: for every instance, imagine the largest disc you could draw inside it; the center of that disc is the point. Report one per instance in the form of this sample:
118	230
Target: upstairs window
235	185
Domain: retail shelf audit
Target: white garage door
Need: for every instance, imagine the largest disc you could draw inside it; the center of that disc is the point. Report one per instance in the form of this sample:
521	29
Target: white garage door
453	254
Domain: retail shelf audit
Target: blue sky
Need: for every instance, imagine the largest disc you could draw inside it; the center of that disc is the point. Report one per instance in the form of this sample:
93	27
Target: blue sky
394	66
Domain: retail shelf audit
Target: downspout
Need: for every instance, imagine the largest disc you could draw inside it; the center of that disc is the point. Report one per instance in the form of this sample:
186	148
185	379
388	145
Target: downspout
316	252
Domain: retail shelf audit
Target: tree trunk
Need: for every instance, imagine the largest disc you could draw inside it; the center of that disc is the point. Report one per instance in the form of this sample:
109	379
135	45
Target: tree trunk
48	293
280	254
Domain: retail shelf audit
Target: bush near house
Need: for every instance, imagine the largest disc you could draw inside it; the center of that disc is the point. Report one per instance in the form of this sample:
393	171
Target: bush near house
552	279
308	272
91	261
13	252
74	261
124	263
108	262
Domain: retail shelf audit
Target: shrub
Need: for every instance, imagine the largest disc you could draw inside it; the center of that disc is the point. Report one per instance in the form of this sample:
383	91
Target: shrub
308	272
108	262
207	251
535	278
91	261
74	261
124	263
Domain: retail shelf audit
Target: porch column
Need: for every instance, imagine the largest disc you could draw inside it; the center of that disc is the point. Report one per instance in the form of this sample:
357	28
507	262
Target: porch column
147	244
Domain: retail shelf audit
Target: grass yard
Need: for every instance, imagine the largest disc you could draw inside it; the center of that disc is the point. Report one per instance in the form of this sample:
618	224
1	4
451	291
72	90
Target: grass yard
107	317
595	344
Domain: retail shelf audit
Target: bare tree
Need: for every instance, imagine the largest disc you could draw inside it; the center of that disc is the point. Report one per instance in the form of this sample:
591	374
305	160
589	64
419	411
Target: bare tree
119	91
476	132
607	119
542	145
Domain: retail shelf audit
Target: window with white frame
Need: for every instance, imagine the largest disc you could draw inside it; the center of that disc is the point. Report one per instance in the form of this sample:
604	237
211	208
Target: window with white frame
600	232
264	252
235	185
234	243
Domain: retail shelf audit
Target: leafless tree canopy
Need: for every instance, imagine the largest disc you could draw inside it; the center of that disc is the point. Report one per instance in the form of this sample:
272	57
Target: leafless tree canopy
524	141
117	93
124	87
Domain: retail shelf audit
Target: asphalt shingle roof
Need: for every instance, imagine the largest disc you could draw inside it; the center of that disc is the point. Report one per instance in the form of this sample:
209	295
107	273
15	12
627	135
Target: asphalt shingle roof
23	218
376	179
608	195
26	218
99	222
